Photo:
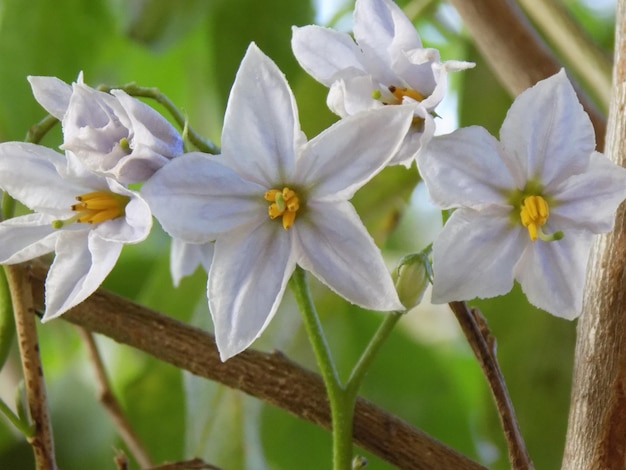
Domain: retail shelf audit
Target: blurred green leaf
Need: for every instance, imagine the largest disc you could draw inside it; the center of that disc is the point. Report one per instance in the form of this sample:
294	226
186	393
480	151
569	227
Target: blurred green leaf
7	321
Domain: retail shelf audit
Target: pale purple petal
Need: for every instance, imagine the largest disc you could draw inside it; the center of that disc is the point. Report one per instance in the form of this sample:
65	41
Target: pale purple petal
552	274
548	132
51	93
33	173
325	54
340	160
261	126
475	253
26	237
247	280
334	245
352	95
588	201
136	223
382	30
196	198
186	257
83	260
466	168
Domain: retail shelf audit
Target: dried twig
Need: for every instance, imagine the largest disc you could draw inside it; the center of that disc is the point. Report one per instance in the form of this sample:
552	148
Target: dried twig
483	344
24	311
111	405
193	464
269	377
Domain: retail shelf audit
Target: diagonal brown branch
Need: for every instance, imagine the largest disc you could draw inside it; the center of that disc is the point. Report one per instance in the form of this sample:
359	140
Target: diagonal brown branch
272	378
514	50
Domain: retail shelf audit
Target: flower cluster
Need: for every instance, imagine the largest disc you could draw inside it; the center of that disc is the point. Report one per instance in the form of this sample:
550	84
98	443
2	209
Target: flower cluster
526	208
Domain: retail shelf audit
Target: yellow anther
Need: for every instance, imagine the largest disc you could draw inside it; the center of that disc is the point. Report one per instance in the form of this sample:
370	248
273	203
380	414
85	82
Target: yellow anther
534	213
400	92
96	207
284	203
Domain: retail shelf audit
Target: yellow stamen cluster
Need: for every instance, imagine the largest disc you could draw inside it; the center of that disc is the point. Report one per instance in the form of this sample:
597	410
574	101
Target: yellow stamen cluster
96	207
534	213
284	203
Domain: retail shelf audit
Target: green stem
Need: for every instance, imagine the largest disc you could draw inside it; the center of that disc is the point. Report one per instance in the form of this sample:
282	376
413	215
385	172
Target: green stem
25	428
202	144
341	403
366	359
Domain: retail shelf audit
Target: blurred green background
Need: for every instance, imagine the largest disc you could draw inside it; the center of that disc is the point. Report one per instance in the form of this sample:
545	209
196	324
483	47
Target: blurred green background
426	374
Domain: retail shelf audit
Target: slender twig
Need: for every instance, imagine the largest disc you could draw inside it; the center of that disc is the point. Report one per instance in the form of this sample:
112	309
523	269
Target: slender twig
271	377
483	344
110	403
193	464
23	308
200	142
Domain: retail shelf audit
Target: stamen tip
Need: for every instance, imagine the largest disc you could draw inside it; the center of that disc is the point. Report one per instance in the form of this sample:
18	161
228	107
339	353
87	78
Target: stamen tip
558	235
376	94
57	224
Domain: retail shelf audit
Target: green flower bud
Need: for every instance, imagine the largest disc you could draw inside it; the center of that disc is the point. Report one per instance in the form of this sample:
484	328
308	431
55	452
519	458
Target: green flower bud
412	278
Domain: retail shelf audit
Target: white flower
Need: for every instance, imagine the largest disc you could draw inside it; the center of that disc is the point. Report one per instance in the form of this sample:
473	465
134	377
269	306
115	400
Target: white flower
386	65
273	200
527	207
113	134
84	218
186	257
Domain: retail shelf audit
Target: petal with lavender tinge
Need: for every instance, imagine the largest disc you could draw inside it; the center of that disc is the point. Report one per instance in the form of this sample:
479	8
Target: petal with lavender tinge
334	245
552	275
474	255
247	280
51	93
82	262
26	237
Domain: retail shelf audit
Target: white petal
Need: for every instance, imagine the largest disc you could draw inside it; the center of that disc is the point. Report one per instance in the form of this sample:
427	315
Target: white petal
382	30
33	173
548	132
340	160
51	93
26	237
136	223
552	274
196	198
247	280
324	53
261	122
466	168
416	139
335	246
186	257
474	255
82	262
589	200
352	95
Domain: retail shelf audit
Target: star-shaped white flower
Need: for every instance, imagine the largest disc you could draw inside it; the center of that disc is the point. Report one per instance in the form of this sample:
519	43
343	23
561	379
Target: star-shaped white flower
273	200
114	135
527	207
84	218
386	66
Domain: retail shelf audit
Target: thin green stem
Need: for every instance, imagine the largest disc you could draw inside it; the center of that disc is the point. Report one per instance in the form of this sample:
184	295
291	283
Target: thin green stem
39	130
201	143
27	429
366	359
341	403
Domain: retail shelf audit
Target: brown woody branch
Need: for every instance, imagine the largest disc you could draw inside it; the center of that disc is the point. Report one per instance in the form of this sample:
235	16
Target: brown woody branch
271	377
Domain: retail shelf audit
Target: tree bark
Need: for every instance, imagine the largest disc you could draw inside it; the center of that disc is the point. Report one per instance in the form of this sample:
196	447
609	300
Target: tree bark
596	437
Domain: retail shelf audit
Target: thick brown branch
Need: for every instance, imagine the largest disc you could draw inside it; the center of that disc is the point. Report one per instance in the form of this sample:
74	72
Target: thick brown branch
21	294
597	421
514	50
272	378
483	345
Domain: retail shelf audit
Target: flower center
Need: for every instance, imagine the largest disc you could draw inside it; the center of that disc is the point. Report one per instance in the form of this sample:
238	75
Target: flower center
284	203
534	213
96	207
397	95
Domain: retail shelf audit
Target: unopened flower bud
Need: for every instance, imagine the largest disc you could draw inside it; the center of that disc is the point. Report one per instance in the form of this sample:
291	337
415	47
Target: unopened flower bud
411	279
